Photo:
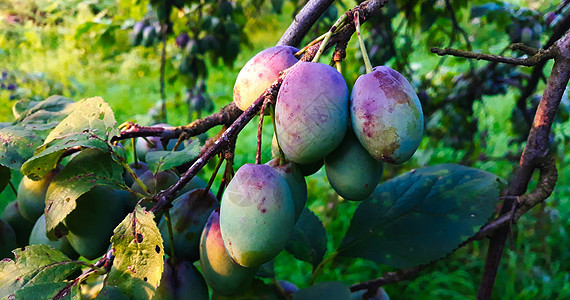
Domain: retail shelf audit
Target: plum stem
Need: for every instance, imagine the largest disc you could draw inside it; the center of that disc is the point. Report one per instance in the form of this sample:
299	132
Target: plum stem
260	132
319	269
170	234
136	178
214	174
338	66
367	63
328	35
135	152
13	188
279	150
313	42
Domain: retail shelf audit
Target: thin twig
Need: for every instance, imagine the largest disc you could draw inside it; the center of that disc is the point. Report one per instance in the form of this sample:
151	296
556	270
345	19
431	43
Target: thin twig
531	61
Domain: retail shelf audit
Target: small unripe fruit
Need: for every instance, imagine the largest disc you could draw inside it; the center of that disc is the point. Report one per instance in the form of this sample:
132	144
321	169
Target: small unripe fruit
32	195
38	236
351	171
181	282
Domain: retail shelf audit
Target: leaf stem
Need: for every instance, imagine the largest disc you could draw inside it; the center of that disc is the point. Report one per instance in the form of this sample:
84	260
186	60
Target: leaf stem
136	179
328	35
13	188
313	42
367	63
319	269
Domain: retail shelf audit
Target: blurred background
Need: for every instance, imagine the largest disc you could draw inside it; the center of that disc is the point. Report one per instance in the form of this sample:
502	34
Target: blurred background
476	113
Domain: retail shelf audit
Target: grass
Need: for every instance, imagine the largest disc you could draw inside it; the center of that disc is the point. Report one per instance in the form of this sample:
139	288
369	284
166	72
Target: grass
127	78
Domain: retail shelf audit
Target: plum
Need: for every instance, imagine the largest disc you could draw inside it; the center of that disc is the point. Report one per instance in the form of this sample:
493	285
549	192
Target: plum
38	236
7	240
386	115
22	226
181	281
222	274
311	113
92	221
351	171
32	195
188	214
144	147
260	72
257	215
295	180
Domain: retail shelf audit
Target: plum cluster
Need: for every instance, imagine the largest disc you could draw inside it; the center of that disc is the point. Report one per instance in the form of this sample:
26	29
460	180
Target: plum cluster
317	121
146	33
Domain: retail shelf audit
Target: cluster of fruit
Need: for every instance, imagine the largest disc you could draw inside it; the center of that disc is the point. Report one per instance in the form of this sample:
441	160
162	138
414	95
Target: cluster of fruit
316	122
146	33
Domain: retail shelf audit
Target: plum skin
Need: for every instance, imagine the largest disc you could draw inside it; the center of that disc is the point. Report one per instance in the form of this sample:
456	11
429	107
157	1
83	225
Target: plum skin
311	114
386	115
260	72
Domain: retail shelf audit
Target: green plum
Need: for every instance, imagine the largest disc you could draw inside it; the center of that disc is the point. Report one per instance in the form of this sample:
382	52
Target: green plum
222	274
38	236
32	195
181	281
188	214
7	240
22	226
295	180
386	115
351	171
257	215
91	223
311	114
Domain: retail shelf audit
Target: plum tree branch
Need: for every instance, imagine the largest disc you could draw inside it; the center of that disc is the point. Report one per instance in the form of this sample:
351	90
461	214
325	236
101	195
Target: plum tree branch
303	21
534	154
540	56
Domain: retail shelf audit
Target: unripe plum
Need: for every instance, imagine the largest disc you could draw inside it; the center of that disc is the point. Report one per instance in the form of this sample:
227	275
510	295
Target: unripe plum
295	180
311	113
7	240
260	72
386	115
92	221
38	236
32	195
22	226
222	274
351	171
257	215
181	282
188	214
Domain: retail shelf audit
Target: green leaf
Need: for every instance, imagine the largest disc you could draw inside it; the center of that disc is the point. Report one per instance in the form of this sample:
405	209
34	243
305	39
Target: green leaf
4	177
50	291
139	255
42	115
17	144
86	170
49	154
331	290
421	216
164	160
91	113
308	241
34	266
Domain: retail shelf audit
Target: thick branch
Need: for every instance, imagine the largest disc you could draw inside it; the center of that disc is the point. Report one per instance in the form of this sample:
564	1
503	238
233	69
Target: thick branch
535	151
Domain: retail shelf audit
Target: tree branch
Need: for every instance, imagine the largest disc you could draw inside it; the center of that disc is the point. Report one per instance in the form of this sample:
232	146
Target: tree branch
535	151
531	61
303	22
